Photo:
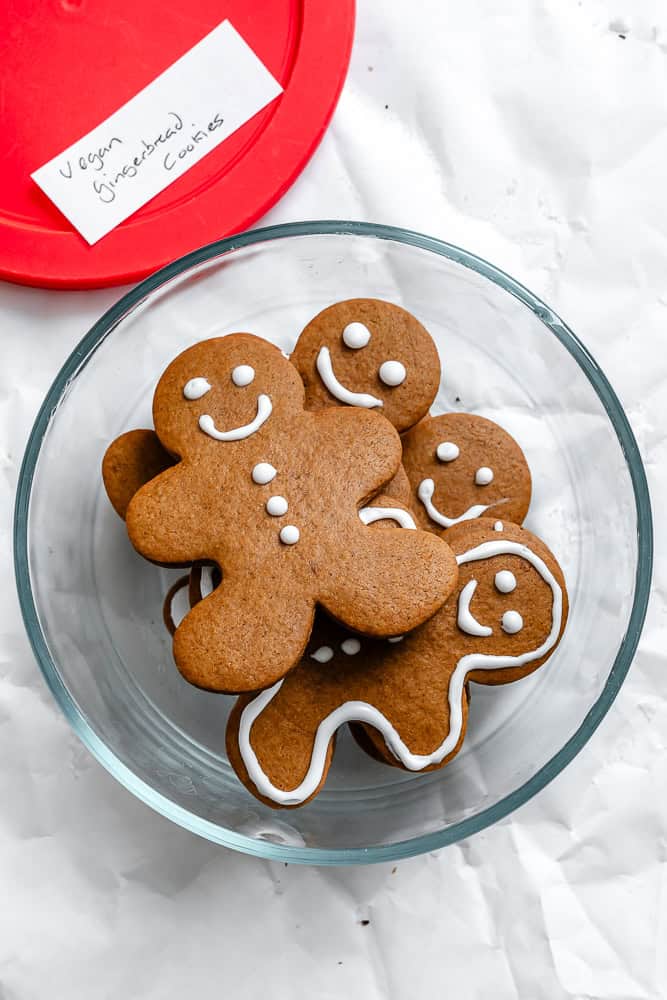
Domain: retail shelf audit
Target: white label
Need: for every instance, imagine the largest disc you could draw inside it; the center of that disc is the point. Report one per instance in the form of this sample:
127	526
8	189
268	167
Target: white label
187	111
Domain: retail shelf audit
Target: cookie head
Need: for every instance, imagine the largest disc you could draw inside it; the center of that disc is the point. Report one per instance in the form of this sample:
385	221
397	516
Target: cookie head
511	604
222	391
371	354
462	467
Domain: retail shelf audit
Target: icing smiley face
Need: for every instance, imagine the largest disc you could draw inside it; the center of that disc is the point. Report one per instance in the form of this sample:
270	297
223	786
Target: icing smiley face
370	354
462	467
214	398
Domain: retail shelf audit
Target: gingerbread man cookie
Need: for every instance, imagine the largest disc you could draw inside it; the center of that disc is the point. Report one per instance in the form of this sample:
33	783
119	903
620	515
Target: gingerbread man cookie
369	354
462	467
272	495
504	621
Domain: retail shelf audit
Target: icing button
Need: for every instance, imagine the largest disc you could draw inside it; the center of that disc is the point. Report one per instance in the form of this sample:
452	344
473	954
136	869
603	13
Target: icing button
276	506
289	535
263	473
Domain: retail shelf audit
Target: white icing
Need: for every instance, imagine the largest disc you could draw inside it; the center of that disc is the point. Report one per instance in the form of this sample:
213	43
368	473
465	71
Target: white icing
356	335
350	646
360	711
465	619
425	493
264	408
337	389
322	655
505	581
396	638
196	388
512	622
498	526
263	473
447	451
371	514
484	476
392	373
243	375
289	535
276	506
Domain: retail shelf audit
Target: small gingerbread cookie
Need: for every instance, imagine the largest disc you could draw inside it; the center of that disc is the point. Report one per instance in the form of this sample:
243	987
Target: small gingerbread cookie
504	621
275	497
462	467
370	354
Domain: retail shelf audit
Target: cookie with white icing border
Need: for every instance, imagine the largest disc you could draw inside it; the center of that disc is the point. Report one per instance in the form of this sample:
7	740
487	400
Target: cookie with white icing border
504	620
271	494
369	354
461	467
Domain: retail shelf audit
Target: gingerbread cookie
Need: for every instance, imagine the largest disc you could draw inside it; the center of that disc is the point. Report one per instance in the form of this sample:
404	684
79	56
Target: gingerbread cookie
462	467
369	354
504	621
273	495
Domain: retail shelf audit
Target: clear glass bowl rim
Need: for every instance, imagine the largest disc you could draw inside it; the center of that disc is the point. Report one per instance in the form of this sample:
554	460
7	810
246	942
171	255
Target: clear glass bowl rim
417	845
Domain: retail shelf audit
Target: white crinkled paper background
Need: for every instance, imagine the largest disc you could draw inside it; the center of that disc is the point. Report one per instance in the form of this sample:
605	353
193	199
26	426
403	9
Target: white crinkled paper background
532	134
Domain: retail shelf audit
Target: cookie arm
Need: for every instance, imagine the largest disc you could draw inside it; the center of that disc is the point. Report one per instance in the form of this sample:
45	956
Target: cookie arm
243	637
130	462
389	582
360	448
165	522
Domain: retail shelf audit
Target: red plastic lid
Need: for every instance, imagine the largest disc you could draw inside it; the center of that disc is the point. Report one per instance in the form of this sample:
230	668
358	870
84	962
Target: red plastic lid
66	65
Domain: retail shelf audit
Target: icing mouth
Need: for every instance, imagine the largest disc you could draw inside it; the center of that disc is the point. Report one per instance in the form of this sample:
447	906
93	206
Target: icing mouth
425	494
264	410
337	389
369	515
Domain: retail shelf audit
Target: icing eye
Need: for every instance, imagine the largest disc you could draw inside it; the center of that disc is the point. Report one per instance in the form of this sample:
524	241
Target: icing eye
243	375
392	373
356	335
505	581
350	646
512	622
196	388
447	451
484	476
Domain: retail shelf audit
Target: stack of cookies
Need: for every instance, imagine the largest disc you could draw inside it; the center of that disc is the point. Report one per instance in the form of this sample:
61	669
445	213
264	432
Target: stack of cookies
351	559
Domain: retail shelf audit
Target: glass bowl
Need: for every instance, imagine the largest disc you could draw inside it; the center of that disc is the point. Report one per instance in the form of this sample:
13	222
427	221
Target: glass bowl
92	607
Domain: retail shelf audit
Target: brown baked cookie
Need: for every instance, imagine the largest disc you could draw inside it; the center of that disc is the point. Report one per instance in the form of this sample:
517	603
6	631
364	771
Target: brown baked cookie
130	462
462	467
369	354
504	620
272	495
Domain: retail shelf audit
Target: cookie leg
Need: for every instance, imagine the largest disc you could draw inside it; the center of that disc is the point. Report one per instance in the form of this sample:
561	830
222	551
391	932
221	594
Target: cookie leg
235	641
272	753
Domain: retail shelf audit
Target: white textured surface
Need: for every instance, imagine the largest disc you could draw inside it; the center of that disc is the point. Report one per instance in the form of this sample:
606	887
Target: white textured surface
535	136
